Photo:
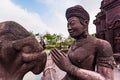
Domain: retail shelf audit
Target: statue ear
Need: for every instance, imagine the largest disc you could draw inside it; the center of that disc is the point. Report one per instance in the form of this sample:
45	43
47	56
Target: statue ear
86	25
86	22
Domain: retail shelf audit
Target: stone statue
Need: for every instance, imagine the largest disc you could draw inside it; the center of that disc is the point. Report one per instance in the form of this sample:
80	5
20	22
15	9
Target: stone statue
19	52
88	58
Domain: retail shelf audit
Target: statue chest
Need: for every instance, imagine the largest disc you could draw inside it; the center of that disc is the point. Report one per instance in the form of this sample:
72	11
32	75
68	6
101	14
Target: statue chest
82	56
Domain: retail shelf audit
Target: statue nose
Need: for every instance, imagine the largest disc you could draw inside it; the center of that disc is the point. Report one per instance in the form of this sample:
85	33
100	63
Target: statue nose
69	27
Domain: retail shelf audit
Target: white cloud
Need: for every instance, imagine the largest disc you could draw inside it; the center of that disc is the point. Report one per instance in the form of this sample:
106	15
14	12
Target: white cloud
31	76
46	1
55	21
31	21
58	8
57	14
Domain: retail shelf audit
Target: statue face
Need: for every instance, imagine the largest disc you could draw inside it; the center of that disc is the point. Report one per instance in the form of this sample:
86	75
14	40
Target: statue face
75	28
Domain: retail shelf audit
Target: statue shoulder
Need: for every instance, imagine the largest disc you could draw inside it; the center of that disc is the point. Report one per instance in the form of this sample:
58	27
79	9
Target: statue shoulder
104	56
103	47
102	43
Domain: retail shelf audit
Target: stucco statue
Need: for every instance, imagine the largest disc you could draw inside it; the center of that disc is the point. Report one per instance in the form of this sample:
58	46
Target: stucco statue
19	52
88	58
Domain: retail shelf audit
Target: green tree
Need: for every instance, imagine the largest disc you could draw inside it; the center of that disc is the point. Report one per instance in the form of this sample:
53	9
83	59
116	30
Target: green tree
94	34
55	40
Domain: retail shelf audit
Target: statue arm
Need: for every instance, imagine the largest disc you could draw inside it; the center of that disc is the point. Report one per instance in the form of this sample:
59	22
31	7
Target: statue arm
102	73
31	53
28	57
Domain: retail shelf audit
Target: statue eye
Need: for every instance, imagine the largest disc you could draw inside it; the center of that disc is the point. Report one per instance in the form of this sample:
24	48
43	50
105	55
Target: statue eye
72	23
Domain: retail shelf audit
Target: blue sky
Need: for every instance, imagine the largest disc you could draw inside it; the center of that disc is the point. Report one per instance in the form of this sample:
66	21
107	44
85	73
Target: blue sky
41	16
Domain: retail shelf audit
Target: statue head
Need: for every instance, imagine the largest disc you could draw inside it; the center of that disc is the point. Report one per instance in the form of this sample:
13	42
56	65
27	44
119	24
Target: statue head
83	17
79	12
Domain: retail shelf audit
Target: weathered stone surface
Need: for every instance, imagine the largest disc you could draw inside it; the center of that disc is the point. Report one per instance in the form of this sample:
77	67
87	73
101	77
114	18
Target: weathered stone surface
19	52
108	23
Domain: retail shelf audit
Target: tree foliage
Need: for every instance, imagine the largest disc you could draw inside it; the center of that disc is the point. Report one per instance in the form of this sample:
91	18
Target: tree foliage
56	41
94	34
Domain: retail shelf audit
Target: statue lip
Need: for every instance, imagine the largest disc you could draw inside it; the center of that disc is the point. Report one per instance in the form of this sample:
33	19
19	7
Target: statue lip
71	31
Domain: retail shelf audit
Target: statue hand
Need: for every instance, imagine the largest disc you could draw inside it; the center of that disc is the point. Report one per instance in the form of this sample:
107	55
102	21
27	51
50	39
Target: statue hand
38	60
60	59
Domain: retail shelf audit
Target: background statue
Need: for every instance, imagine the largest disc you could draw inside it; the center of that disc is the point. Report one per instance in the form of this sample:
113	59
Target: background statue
19	52
88	58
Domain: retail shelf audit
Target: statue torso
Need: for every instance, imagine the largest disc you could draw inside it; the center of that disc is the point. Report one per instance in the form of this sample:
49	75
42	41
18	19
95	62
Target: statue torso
82	54
89	52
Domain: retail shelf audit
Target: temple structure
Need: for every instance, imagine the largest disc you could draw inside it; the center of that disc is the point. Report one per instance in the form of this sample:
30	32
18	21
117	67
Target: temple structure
108	23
